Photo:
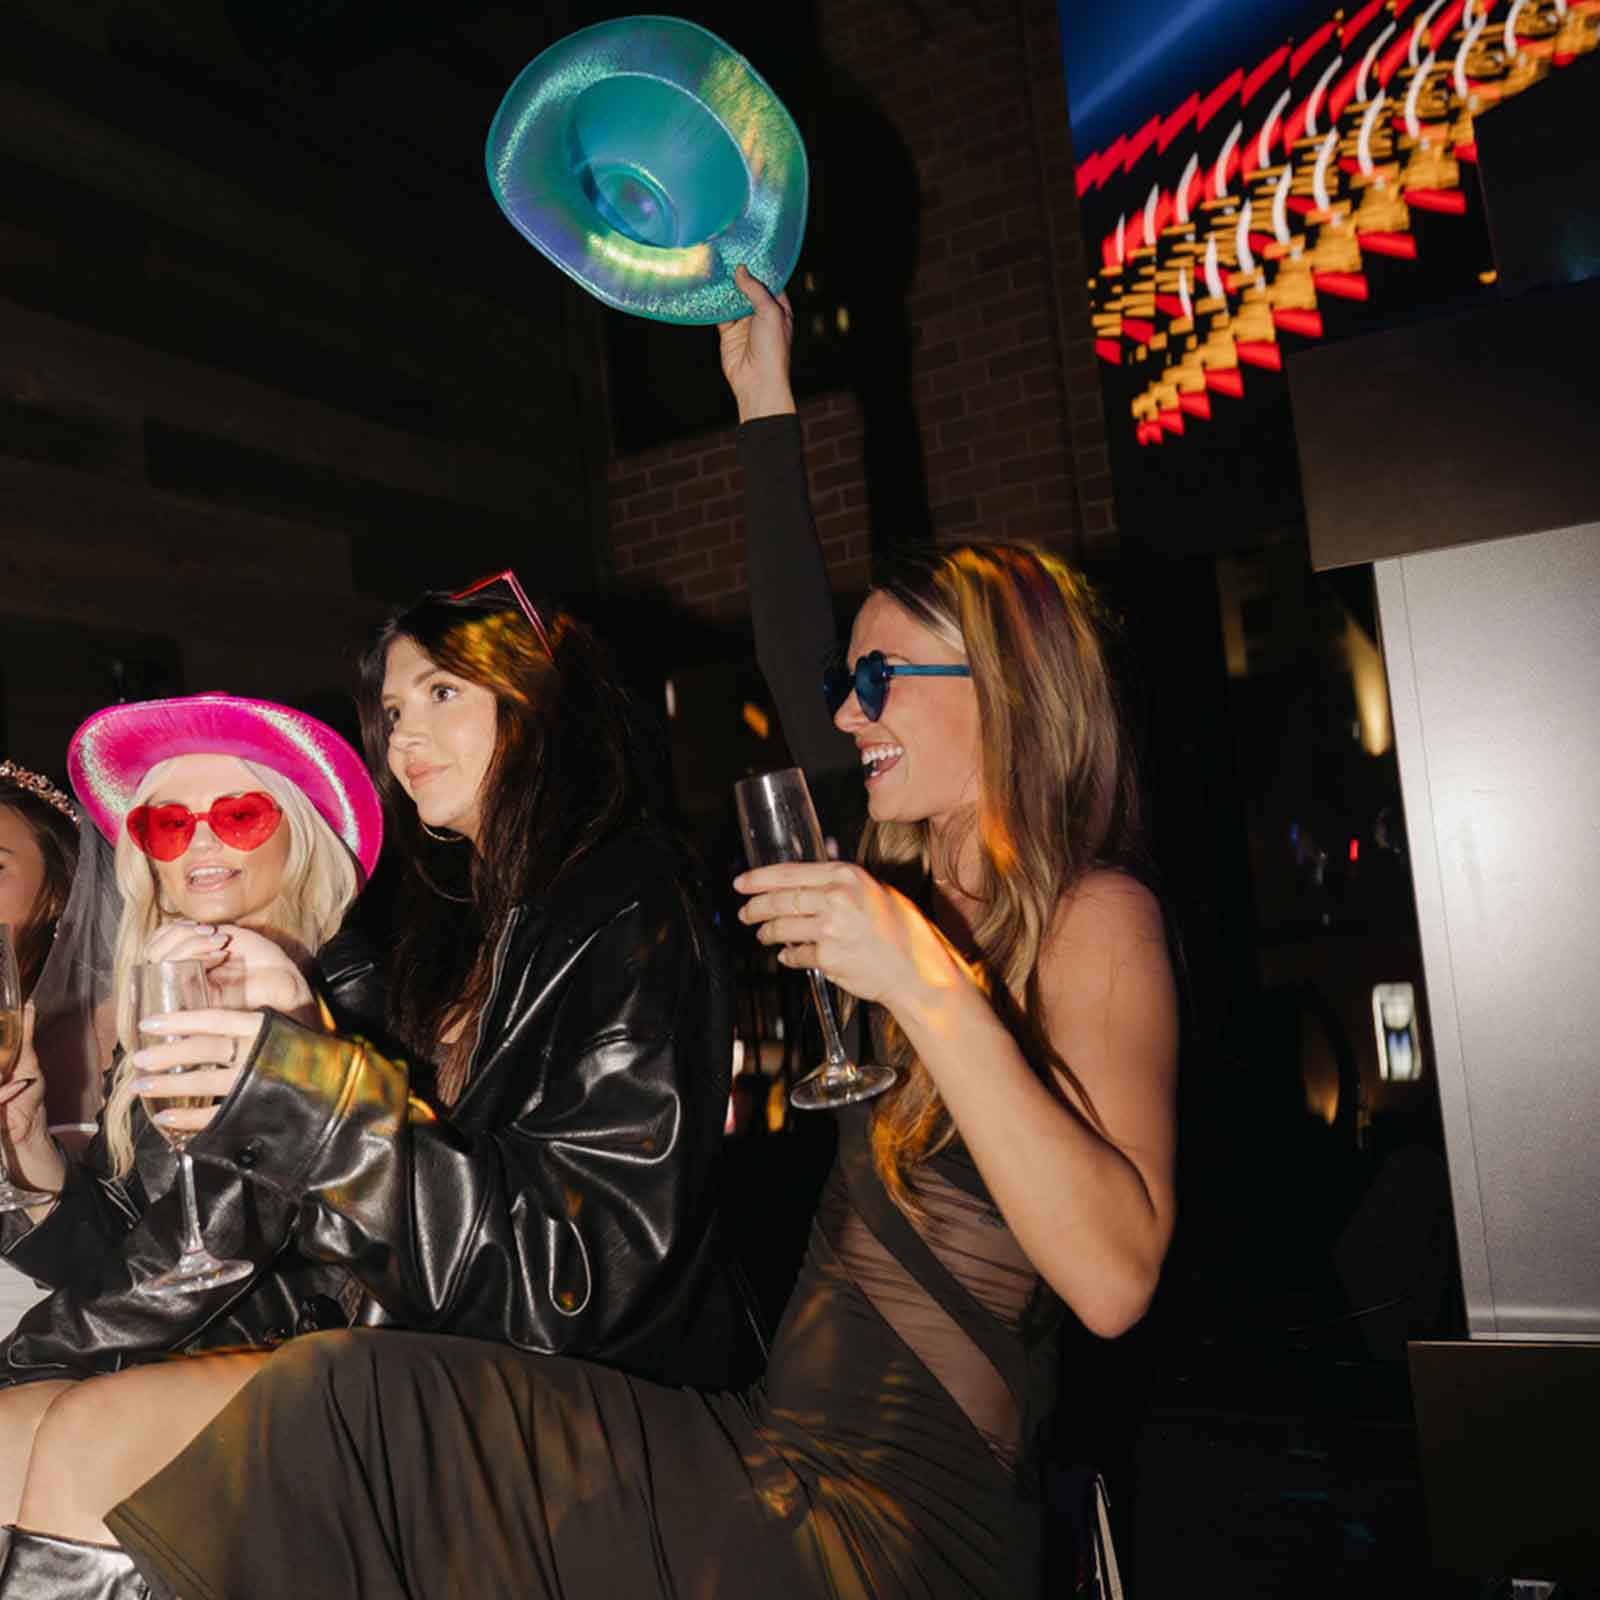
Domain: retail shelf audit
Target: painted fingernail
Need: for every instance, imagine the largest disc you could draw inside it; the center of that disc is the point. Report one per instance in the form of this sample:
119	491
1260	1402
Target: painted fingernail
153	1024
167	1119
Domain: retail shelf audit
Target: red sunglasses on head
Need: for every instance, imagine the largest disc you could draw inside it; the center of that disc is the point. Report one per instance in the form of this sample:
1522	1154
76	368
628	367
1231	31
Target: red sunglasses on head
240	821
524	604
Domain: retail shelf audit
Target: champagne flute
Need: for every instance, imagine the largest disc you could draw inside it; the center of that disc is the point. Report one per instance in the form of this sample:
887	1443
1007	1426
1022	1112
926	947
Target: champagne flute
779	823
11	1197
162	987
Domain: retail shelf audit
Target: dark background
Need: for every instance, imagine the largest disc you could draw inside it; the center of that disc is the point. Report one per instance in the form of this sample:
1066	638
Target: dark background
272	360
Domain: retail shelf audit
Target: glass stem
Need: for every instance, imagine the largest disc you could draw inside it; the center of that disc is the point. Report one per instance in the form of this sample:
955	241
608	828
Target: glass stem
193	1244
838	1061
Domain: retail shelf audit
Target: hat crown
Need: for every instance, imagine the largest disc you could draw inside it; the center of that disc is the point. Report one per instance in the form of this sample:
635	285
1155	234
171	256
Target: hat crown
647	159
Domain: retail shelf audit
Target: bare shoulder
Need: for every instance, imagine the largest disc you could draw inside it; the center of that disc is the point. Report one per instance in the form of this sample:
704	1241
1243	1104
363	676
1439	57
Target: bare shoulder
1110	912
1105	973
1111	1012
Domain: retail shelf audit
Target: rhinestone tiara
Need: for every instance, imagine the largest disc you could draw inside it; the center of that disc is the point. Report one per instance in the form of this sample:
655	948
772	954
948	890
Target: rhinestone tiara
36	784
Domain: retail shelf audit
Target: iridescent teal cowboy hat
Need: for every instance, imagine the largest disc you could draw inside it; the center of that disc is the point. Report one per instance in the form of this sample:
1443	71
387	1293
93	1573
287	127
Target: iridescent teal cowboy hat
648	159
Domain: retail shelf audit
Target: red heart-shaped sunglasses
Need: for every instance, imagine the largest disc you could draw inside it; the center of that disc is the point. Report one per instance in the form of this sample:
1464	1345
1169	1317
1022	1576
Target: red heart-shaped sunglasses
240	821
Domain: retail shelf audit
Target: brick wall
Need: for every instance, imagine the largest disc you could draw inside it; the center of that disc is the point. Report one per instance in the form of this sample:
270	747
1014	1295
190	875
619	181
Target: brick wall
1004	387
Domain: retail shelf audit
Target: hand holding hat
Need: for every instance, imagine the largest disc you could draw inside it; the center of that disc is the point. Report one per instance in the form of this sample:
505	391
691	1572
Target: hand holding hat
755	351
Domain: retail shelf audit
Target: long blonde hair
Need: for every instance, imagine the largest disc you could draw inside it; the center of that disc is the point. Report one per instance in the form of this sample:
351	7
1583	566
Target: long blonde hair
320	880
1056	796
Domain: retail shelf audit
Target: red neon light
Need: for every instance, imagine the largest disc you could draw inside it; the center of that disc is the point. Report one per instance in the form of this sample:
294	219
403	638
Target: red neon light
1450	202
1226	380
1260	353
1169	305
1262	74
1111	159
1354	28
1402	246
1174	125
1138	328
1218	98
1197	405
1109	350
1467	151
1140	143
1308	324
1392	57
1444	25
1172	421
1164	210
1306	51
1342	285
1355	849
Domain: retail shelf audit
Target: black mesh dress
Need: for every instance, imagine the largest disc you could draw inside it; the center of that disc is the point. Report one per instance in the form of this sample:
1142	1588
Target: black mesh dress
885	1454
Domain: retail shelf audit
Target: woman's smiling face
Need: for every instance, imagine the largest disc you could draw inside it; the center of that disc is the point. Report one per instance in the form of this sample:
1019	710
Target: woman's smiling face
920	758
211	881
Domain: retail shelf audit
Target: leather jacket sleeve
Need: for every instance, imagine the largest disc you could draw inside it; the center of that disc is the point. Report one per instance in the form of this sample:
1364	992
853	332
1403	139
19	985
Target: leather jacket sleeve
105	1237
92	1216
544	1220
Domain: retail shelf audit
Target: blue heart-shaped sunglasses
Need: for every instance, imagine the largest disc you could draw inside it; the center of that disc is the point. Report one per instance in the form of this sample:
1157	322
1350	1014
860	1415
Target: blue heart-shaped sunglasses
869	678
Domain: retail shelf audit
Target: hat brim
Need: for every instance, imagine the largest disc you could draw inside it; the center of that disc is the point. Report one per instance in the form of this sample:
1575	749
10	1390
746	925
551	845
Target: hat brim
647	159
110	754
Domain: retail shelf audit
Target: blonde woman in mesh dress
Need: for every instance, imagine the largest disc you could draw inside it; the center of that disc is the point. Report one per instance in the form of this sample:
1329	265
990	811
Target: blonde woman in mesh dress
1020	981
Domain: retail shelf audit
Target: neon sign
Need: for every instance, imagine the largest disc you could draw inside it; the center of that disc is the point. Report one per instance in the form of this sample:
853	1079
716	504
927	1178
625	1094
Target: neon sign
1246	213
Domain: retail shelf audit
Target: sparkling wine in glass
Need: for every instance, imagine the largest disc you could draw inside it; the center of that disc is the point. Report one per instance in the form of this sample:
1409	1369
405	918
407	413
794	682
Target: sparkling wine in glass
11	1197
162	987
779	823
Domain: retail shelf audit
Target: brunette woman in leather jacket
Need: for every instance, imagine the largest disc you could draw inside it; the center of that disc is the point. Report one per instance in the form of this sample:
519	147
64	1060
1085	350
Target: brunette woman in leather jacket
542	1173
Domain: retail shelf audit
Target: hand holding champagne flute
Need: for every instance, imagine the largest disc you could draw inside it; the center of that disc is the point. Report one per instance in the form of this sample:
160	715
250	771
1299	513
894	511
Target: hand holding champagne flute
779	823
164	987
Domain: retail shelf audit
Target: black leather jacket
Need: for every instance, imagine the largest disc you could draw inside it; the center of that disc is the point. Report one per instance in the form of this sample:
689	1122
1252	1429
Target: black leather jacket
76	1249
567	1203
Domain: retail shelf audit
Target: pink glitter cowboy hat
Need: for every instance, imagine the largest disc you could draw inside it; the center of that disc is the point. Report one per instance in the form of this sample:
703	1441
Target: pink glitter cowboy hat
112	751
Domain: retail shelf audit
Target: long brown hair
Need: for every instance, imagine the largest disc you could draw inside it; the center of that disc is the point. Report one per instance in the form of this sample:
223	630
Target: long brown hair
57	841
566	773
1057	794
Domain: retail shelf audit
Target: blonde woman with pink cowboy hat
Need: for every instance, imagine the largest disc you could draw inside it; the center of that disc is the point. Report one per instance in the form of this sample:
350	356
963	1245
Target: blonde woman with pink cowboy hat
242	833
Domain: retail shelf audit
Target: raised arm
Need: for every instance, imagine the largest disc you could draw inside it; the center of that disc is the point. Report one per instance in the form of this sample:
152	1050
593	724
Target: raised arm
791	606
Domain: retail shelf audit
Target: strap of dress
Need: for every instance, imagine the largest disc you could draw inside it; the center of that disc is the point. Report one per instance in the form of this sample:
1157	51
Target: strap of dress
895	1233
